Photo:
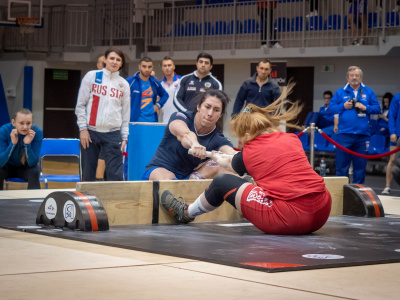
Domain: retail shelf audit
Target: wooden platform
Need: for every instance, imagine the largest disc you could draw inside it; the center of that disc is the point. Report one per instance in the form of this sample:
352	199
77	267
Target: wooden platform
132	202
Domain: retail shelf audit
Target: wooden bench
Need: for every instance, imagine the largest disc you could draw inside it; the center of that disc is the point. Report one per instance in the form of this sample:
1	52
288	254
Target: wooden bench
132	202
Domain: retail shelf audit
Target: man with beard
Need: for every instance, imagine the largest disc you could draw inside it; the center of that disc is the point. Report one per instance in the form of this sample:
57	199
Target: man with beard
194	83
144	91
259	89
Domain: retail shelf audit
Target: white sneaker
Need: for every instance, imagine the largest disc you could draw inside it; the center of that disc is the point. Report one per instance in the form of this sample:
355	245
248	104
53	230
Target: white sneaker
277	46
396	9
361	42
355	42
386	191
312	14
265	46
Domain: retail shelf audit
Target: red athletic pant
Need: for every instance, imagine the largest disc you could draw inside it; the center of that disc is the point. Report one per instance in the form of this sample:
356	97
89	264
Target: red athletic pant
301	215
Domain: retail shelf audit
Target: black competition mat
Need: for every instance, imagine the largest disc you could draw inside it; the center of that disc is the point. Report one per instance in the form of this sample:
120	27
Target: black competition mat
343	241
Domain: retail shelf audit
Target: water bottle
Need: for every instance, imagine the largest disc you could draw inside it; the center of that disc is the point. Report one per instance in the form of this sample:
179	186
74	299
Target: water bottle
322	168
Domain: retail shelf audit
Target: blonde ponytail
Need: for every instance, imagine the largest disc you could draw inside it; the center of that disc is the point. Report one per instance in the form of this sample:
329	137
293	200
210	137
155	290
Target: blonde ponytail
254	120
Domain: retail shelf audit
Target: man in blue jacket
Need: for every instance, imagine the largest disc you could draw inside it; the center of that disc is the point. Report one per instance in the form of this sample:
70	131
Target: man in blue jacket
259	89
354	103
394	130
323	119
144	92
20	144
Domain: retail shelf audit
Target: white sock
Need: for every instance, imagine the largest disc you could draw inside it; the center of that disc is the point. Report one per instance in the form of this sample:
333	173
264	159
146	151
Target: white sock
196	209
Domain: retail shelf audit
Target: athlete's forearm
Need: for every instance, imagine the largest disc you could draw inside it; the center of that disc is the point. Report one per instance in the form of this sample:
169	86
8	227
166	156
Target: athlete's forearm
189	140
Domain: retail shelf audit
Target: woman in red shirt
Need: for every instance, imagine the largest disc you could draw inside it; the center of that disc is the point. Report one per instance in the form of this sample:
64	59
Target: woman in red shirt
289	198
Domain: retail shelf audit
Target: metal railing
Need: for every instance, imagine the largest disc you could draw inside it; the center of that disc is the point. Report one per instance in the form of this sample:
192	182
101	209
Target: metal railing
242	24
118	24
79	28
63	26
206	25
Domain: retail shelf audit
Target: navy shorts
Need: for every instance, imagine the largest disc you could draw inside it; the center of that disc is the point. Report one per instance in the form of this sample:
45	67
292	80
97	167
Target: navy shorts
146	174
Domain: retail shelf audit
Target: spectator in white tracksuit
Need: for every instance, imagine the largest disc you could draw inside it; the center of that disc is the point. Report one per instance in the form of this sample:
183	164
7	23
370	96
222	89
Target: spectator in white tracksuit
103	111
170	83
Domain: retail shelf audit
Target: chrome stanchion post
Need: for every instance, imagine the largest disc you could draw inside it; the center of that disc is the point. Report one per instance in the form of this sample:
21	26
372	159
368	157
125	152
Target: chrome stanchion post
312	137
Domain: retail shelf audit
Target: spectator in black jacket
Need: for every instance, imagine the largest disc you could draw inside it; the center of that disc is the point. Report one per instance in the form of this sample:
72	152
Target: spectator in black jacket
194	83
259	89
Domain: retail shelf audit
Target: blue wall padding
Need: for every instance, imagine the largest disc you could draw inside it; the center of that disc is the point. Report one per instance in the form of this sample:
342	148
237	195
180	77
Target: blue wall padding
4	116
144	141
28	85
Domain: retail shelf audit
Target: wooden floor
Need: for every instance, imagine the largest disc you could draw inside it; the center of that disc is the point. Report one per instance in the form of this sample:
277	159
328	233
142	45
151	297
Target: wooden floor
40	267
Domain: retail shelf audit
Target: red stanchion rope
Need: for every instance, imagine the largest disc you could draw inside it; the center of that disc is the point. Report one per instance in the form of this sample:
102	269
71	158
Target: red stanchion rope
355	153
302	132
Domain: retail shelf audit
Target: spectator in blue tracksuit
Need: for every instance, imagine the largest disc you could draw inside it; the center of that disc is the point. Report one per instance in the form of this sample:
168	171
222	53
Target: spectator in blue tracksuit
382	127
325	118
144	92
322	119
354	103
394	118
394	131
145	89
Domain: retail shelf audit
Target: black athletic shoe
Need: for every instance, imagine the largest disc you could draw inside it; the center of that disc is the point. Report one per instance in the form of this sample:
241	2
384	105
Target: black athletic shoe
175	208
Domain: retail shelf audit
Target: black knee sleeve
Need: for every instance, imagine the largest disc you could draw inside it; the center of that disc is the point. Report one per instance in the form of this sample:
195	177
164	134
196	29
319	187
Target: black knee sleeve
223	187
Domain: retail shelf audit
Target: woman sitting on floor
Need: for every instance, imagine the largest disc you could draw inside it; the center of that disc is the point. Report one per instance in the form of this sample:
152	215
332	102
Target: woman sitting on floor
290	198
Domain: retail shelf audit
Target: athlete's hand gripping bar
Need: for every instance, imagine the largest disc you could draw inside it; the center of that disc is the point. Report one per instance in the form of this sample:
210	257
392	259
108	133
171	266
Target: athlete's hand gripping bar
208	153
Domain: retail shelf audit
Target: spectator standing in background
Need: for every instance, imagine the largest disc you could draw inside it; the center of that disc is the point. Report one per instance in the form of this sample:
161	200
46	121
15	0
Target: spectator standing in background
354	103
101	62
102	110
259	89
383	117
101	164
313	9
358	21
394	131
194	83
170	83
265	9
144	90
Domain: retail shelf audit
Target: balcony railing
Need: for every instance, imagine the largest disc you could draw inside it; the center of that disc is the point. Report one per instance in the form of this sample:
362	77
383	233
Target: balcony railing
206	25
234	24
